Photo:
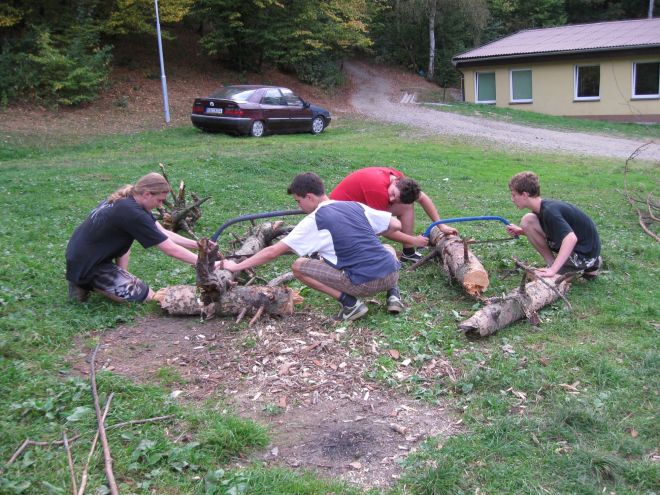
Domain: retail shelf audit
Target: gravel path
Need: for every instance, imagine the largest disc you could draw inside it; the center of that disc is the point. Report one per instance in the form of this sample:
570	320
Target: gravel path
376	97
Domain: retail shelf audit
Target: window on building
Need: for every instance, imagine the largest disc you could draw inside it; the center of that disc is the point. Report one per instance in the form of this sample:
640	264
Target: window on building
521	86
485	90
587	82
646	80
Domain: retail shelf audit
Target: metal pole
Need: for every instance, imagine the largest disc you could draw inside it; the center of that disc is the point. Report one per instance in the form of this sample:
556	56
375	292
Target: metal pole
163	79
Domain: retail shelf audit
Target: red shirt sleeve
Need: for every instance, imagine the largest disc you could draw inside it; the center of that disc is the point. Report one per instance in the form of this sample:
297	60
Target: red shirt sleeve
368	186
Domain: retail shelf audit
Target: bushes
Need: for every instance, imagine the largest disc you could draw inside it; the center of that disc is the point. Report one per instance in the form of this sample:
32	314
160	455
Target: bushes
68	70
320	72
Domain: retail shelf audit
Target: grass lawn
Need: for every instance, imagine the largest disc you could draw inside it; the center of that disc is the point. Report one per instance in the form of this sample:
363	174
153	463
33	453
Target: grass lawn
568	407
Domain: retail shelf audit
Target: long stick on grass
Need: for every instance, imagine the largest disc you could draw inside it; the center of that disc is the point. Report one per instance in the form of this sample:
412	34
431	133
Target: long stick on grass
84	476
104	439
69	459
27	442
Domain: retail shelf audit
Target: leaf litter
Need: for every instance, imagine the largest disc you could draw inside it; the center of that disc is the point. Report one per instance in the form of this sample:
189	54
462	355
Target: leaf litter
302	376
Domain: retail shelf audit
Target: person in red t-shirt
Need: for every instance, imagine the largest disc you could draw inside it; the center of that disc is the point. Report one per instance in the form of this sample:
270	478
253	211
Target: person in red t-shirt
387	189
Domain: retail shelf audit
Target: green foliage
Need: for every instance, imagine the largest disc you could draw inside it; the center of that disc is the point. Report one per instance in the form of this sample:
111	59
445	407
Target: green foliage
69	75
301	36
59	66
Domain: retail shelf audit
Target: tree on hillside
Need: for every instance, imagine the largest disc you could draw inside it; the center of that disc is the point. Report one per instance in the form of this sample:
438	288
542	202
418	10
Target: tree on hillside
301	35
59	51
424	34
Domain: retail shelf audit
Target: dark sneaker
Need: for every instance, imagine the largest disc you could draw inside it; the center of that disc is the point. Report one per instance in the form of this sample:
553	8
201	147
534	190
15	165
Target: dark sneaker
350	313
77	293
593	272
394	304
411	258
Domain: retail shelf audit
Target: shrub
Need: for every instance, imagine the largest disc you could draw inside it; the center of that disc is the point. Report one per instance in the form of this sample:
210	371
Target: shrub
322	72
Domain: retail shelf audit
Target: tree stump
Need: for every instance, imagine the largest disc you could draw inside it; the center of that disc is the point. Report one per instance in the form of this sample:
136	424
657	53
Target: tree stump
460	262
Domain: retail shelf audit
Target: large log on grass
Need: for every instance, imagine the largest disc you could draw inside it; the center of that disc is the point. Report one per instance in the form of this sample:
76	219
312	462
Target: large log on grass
461	263
216	291
515	305
183	300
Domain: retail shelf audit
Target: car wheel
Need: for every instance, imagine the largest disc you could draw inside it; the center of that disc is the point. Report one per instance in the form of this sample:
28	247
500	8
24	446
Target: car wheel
318	124
257	129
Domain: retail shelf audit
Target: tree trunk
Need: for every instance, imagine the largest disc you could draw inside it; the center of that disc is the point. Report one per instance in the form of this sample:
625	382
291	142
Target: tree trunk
462	265
433	9
516	305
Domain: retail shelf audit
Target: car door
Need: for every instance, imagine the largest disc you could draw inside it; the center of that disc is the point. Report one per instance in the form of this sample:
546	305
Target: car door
299	113
275	110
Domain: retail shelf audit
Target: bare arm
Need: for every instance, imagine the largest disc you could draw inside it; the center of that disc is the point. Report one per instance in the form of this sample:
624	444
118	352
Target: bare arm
261	258
170	248
414	240
565	250
176	238
432	212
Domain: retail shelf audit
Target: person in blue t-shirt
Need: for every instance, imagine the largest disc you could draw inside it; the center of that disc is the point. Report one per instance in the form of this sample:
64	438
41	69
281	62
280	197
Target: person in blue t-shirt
98	252
353	262
562	233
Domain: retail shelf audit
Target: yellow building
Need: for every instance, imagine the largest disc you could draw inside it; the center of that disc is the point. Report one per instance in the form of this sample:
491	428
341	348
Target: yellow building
605	70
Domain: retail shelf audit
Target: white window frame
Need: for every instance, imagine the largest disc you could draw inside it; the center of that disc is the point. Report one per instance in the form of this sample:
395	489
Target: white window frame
576	83
523	100
634	82
476	88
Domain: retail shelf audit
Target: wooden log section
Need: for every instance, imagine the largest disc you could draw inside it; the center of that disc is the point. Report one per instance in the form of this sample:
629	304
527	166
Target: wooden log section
515	305
461	263
219	293
182	300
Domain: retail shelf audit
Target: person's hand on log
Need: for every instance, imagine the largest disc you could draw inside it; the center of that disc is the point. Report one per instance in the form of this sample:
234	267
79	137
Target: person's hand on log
420	241
229	265
447	230
545	272
513	230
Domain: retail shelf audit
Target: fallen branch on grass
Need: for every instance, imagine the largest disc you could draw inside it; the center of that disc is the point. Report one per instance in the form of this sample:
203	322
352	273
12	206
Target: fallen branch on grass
100	418
644	218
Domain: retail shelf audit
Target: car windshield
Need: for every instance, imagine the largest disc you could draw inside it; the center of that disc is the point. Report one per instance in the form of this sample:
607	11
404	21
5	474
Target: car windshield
233	93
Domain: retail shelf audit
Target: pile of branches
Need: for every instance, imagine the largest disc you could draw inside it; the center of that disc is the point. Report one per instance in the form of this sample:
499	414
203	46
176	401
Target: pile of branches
180	215
647	208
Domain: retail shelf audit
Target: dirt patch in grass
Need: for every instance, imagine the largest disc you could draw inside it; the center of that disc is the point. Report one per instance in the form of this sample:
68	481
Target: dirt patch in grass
302	375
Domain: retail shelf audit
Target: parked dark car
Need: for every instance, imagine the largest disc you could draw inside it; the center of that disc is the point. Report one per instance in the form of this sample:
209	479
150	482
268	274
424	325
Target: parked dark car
257	110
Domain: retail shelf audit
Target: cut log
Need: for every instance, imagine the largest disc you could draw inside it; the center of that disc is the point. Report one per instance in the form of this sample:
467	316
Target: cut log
219	293
516	305
182	300
460	262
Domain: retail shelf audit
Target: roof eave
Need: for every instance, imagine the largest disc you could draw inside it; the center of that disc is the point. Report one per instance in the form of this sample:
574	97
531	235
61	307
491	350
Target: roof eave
497	58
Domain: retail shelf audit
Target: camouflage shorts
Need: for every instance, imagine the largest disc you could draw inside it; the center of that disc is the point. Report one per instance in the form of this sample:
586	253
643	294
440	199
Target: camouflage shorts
579	262
114	281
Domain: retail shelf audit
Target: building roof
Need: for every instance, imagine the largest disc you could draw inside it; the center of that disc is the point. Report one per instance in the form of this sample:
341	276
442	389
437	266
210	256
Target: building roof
600	36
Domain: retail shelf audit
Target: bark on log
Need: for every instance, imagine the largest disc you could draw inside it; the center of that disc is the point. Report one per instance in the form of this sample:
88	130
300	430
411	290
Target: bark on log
461	263
516	305
219	293
182	300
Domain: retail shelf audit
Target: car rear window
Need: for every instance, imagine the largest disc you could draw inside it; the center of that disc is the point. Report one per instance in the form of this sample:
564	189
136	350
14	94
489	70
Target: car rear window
233	93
